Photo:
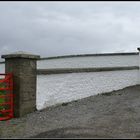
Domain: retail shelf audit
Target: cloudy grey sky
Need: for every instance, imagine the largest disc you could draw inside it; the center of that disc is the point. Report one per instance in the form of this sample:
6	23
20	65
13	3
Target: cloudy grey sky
63	28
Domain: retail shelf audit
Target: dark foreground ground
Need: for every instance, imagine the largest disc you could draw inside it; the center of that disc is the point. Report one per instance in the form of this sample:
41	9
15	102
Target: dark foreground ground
110	115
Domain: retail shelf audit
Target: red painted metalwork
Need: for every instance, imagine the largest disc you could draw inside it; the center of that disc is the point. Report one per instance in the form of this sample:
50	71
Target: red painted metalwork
6	97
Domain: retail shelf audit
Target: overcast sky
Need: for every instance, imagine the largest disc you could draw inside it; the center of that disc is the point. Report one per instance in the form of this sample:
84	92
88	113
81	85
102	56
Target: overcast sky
63	28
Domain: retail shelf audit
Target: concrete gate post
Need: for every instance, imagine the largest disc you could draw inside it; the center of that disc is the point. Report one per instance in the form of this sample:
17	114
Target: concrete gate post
23	66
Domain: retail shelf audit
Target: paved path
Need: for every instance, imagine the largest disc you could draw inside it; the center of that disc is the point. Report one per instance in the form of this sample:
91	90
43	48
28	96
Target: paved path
110	115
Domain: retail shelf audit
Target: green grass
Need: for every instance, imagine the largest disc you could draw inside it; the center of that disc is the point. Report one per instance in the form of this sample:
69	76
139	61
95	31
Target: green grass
2	93
2	100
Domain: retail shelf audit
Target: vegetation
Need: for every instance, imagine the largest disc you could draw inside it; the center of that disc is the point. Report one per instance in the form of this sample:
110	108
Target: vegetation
2	100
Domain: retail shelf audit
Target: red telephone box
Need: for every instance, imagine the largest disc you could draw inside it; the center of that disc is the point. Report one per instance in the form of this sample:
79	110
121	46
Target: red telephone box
6	96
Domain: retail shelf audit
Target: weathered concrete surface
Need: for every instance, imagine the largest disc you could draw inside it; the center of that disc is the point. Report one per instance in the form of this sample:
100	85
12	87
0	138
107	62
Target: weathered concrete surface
110	115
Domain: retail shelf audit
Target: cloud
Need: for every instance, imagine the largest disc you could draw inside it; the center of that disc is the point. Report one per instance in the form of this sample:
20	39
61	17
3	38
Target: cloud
61	28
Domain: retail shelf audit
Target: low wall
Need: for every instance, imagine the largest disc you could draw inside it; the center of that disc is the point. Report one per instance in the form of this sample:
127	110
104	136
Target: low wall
67	78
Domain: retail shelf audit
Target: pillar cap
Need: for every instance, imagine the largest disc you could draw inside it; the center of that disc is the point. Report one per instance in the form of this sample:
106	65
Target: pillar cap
21	54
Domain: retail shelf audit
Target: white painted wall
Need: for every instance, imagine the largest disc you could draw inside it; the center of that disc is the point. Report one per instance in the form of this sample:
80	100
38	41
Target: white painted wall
90	61
59	88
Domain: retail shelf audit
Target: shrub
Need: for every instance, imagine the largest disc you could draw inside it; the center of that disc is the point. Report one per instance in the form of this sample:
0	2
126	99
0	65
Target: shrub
2	100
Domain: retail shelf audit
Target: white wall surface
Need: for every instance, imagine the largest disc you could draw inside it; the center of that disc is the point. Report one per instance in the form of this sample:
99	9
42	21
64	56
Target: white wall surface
90	61
59	88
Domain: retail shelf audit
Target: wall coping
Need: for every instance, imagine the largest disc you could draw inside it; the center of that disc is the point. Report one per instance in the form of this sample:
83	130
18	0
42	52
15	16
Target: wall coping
85	55
79	70
21	55
64	56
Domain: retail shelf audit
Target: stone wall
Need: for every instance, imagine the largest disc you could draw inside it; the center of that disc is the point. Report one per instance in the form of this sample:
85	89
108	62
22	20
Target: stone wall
76	77
64	79
59	88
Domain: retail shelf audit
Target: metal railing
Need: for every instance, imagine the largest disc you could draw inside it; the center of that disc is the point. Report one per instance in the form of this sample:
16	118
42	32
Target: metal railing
6	97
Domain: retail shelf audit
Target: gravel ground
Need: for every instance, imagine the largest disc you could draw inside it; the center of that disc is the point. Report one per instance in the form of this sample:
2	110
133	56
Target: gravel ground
110	115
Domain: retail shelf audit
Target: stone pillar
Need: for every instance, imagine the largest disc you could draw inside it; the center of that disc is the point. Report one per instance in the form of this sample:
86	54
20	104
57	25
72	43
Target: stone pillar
23	66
